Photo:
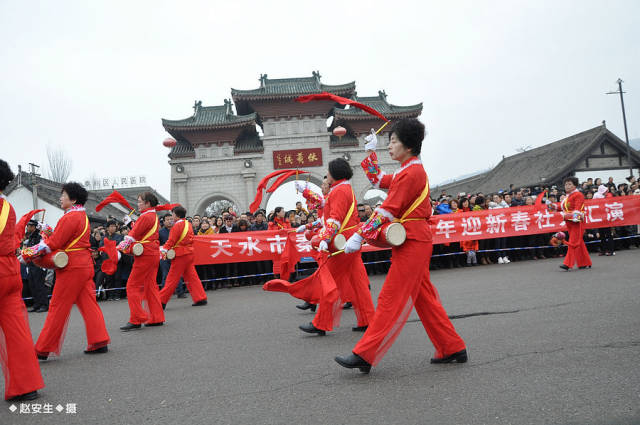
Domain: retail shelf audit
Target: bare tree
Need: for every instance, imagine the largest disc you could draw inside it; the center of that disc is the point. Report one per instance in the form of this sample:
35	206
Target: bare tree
59	164
217	207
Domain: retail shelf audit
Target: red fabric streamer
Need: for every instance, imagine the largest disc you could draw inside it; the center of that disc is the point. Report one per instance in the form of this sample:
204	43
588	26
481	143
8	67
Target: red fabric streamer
166	207
114	198
110	265
22	223
538	202
263	184
342	101
309	289
282	179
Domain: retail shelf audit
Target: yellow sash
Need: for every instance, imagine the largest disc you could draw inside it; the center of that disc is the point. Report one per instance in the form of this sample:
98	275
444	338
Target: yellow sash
346	219
75	241
184	233
416	203
4	215
151	232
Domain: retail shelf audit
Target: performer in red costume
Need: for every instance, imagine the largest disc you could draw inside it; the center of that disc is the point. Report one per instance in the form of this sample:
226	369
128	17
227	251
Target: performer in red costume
142	285
341	217
407	283
181	241
278	222
74	283
22	377
573	214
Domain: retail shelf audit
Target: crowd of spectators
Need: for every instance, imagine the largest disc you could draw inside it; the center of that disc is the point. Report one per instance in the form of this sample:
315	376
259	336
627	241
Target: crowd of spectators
38	282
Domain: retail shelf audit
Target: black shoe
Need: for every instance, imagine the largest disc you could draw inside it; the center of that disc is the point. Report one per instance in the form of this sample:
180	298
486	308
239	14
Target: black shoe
199	303
584	267
182	295
154	324
312	329
305	306
353	361
23	397
164	306
359	328
347	305
42	357
100	350
34	309
313	307
130	327
42	309
563	267
459	357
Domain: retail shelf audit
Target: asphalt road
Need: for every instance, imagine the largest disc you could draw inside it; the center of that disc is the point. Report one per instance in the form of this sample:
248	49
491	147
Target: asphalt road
559	348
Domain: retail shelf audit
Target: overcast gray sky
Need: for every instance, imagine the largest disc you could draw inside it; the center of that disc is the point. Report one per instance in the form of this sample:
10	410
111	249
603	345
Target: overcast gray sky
97	77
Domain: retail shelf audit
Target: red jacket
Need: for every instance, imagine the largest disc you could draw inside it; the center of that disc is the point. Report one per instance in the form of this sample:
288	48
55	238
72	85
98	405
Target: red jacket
278	224
9	265
405	186
573	202
148	221
336	207
71	226
185	246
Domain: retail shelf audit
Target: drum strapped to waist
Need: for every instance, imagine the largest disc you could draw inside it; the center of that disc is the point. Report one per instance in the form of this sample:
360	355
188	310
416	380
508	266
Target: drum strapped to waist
171	254
391	235
52	260
137	249
337	244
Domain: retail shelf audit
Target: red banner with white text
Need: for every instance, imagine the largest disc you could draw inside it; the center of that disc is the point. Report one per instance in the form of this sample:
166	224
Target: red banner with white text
446	228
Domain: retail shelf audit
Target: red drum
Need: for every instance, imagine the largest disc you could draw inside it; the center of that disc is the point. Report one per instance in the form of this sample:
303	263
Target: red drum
53	260
391	234
338	243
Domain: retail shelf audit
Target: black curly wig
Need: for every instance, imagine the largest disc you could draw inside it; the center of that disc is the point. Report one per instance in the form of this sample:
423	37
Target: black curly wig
410	132
75	192
6	175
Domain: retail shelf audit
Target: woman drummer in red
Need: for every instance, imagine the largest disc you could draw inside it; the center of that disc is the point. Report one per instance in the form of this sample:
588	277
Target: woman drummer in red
407	284
142	285
22	377
74	283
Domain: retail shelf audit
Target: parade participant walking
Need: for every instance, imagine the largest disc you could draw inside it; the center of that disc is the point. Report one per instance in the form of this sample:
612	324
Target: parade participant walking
22	376
279	222
74	283
407	283
573	214
341	217
142	285
181	241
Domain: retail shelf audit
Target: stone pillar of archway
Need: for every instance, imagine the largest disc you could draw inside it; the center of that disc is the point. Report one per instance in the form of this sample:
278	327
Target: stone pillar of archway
249	184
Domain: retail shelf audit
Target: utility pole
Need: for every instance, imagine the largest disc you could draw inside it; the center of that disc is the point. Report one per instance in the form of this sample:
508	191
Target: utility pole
34	183
624	120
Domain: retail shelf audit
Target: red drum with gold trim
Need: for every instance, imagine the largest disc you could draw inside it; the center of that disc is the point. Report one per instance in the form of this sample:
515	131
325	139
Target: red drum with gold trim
338	243
391	234
53	260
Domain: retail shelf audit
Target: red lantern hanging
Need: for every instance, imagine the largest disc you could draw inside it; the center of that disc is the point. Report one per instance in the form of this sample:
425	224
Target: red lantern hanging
169	142
339	131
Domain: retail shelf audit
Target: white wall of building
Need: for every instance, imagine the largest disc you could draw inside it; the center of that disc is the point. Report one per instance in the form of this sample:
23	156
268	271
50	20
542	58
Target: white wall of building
22	201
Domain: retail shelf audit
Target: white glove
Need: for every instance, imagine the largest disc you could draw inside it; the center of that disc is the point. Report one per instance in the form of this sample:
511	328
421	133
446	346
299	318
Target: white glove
126	220
41	225
353	244
372	141
323	246
301	185
301	229
22	261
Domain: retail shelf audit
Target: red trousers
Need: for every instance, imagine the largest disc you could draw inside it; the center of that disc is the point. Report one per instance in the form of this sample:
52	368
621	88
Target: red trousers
408	285
19	364
182	266
142	287
352	283
576	248
73	286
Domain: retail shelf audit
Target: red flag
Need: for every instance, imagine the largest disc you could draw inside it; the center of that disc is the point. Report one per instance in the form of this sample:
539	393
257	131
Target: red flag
110	265
115	197
166	207
342	101
22	223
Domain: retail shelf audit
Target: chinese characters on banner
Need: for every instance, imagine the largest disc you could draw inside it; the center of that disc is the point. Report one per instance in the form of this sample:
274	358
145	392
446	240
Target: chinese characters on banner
297	158
506	222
